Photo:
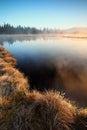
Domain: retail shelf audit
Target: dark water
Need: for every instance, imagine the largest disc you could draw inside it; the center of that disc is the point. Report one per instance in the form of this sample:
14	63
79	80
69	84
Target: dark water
52	63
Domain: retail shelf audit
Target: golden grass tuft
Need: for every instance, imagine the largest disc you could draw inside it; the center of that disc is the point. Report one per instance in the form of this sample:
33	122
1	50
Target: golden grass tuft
52	112
36	111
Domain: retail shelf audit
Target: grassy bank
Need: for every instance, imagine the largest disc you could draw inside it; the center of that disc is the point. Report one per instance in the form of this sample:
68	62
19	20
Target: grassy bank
21	109
11	80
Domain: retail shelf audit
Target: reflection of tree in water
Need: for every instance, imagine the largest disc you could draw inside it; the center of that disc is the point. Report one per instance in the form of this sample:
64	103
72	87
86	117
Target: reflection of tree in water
11	39
4	39
1	42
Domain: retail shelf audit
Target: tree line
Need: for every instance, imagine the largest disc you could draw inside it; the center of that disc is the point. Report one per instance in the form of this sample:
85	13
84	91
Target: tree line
9	29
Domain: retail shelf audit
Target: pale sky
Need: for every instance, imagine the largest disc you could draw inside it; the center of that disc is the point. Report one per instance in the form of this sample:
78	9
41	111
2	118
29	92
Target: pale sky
44	13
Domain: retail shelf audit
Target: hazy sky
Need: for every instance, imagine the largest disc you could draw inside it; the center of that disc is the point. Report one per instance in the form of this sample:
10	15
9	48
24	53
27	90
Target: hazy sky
44	13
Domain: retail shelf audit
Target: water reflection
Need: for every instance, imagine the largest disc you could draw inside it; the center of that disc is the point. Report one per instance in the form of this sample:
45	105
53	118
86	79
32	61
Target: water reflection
59	64
13	38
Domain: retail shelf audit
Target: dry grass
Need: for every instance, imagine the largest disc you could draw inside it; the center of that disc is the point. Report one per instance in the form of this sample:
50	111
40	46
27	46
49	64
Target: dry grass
15	111
36	111
6	56
52	112
11	80
41	111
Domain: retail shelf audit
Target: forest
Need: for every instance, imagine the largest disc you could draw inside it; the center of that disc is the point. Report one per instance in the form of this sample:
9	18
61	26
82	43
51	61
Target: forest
10	29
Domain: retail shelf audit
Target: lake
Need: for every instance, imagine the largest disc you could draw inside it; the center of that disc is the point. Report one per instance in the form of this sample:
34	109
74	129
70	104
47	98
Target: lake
52	63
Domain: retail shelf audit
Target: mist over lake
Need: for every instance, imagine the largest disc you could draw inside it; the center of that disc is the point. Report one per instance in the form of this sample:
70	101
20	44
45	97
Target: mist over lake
52	63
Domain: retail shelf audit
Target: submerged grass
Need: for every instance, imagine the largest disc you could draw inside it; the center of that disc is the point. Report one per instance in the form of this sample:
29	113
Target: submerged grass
21	109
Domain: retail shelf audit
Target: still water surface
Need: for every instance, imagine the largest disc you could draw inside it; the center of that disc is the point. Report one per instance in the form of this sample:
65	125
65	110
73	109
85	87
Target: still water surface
52	63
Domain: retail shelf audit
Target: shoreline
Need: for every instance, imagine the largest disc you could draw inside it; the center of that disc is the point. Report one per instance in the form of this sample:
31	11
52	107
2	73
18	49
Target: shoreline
73	36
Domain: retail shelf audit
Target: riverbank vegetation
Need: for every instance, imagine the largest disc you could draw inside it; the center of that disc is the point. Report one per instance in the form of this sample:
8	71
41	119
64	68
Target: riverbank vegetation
22	109
11	80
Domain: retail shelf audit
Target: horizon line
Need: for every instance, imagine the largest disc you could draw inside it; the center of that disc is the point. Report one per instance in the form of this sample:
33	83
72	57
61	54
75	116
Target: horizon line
53	28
